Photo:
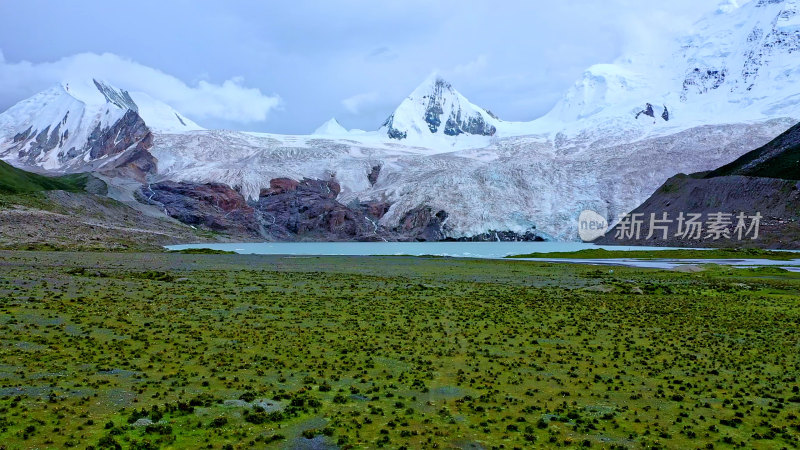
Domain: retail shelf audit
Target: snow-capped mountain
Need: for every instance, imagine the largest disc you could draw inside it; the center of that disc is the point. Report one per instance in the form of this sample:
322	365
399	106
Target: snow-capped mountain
616	135
331	128
82	121
436	108
739	65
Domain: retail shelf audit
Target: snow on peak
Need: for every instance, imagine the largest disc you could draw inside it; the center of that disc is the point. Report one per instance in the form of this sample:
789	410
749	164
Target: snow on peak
98	93
602	86
157	115
330	128
54	128
746	58
739	65
726	6
436	108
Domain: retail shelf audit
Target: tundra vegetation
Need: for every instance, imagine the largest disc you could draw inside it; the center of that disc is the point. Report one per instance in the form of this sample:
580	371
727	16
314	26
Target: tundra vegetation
684	253
141	350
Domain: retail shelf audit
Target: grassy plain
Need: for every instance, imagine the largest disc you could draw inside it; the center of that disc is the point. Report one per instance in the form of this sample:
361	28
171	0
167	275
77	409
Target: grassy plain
155	350
722	253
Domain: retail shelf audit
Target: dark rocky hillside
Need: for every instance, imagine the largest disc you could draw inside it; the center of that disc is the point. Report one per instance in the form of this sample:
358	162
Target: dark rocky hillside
778	159
305	210
763	181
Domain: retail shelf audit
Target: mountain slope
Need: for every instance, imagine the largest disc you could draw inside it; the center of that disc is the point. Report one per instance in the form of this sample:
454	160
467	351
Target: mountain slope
776	200
520	184
16	181
778	159
738	66
620	132
72	212
761	183
82	125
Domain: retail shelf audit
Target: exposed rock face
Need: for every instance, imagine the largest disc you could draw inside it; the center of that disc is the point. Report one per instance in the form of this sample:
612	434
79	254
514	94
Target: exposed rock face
280	186
117	138
120	98
434	111
422	224
308	209
501	236
291	210
777	201
42	142
700	81
373	175
473	125
647	111
375	209
135	164
650	111
129	137
24	135
393	132
214	206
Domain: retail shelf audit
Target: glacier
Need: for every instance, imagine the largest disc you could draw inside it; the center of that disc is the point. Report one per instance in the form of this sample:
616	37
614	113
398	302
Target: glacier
616	135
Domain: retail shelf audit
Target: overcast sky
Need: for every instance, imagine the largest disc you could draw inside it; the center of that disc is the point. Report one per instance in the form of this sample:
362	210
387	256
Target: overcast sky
286	67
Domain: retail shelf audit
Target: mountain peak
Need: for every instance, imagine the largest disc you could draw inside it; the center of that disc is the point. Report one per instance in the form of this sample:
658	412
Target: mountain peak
94	92
433	80
436	108
117	97
330	128
79	120
97	93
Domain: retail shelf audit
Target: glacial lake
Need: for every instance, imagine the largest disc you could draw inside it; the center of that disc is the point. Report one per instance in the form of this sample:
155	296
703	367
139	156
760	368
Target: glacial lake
452	249
487	250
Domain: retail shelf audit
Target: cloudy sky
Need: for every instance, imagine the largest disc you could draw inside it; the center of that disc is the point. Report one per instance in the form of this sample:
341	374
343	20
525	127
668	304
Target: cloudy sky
286	67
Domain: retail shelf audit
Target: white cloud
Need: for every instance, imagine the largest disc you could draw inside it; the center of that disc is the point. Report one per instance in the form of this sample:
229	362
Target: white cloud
471	68
534	50
357	103
229	101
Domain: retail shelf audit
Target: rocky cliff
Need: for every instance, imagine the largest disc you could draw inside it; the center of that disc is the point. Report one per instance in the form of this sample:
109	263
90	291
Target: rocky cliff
291	210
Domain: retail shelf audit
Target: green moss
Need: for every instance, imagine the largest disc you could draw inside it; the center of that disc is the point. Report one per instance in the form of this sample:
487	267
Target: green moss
188	351
732	253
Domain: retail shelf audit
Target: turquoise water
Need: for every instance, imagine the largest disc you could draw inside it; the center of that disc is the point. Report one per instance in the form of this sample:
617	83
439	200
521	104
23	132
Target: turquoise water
454	249
471	250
